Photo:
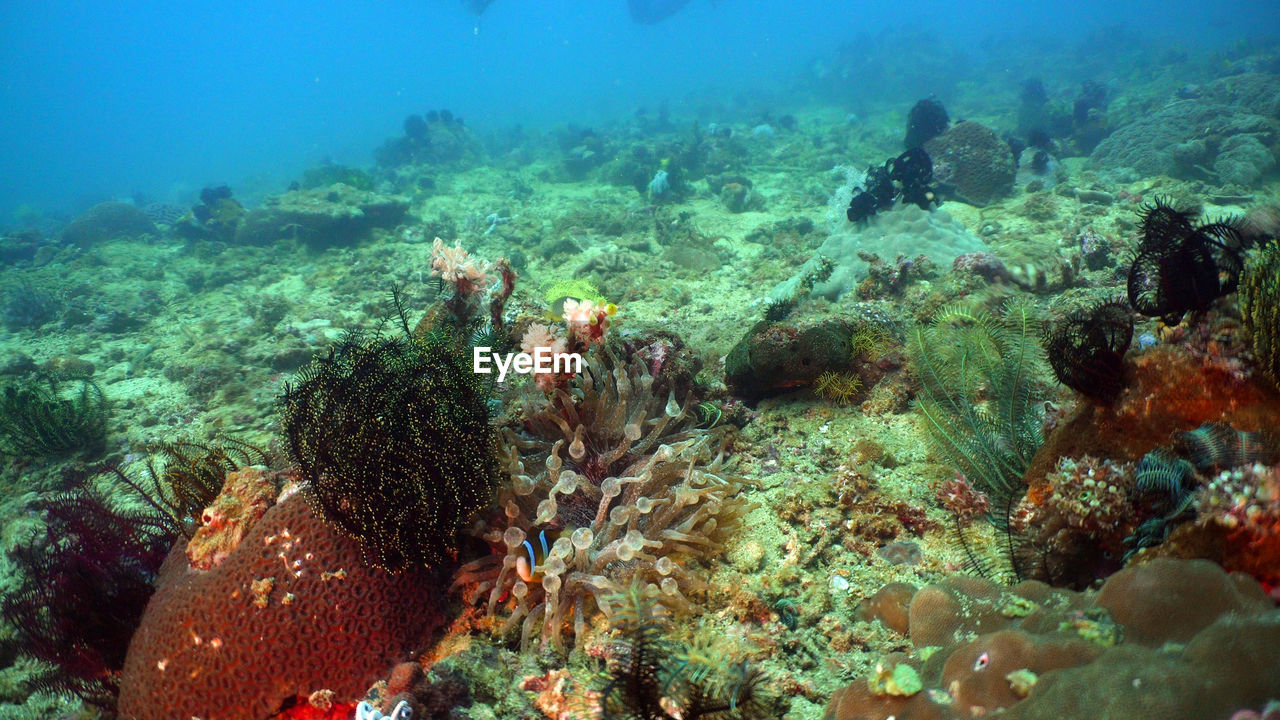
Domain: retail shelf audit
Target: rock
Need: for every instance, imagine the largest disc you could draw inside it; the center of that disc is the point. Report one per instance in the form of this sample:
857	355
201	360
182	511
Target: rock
321	218
107	221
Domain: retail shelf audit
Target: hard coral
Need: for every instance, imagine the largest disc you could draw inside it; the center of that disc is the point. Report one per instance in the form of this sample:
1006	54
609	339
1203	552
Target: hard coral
972	158
1041	653
630	483
293	609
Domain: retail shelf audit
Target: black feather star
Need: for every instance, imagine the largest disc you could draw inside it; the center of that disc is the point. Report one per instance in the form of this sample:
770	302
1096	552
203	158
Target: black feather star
1180	267
1086	350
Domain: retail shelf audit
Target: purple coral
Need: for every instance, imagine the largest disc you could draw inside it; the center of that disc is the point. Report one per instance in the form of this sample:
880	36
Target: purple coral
983	264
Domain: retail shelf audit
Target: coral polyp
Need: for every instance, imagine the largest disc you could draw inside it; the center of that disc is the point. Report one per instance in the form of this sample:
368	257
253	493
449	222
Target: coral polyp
636	491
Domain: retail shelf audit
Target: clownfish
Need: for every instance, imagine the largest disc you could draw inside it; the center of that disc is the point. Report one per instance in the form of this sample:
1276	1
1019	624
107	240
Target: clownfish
529	568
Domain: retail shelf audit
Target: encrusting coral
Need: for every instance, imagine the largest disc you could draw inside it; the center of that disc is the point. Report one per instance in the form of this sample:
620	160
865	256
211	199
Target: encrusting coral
1179	638
619	470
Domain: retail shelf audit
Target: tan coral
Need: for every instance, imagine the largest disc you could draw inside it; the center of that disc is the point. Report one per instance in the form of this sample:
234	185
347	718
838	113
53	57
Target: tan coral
246	495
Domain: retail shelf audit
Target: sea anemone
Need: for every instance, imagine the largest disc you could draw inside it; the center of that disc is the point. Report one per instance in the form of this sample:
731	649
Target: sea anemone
627	485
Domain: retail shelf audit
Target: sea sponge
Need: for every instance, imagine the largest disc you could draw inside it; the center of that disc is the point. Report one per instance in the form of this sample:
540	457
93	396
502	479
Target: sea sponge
291	610
632	487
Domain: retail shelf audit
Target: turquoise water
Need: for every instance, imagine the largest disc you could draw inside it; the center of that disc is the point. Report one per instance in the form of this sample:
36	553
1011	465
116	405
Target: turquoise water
630	360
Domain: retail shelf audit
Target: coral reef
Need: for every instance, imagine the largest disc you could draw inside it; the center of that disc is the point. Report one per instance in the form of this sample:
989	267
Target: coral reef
1260	307
107	221
972	159
1185	138
1239	522
906	230
617	468
27	306
436	138
1034	652
321	218
216	217
393	435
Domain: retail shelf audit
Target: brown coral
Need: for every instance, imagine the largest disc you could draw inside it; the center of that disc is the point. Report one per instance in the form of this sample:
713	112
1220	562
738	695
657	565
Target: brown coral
1036	652
291	610
974	159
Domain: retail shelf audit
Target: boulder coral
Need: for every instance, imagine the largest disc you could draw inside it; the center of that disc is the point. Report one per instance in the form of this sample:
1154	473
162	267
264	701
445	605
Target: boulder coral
973	159
107	221
291	610
1181	637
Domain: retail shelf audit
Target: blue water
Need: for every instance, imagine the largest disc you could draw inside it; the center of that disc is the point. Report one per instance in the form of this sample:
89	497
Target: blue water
105	100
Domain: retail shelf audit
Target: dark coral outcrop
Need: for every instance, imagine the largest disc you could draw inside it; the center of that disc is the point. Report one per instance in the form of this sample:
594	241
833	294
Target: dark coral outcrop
974	160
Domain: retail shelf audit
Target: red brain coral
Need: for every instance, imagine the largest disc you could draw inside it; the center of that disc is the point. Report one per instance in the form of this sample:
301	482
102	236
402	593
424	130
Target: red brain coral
290	611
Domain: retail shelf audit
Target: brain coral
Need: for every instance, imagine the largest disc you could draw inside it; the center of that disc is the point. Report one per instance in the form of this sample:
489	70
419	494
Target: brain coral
291	610
974	159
